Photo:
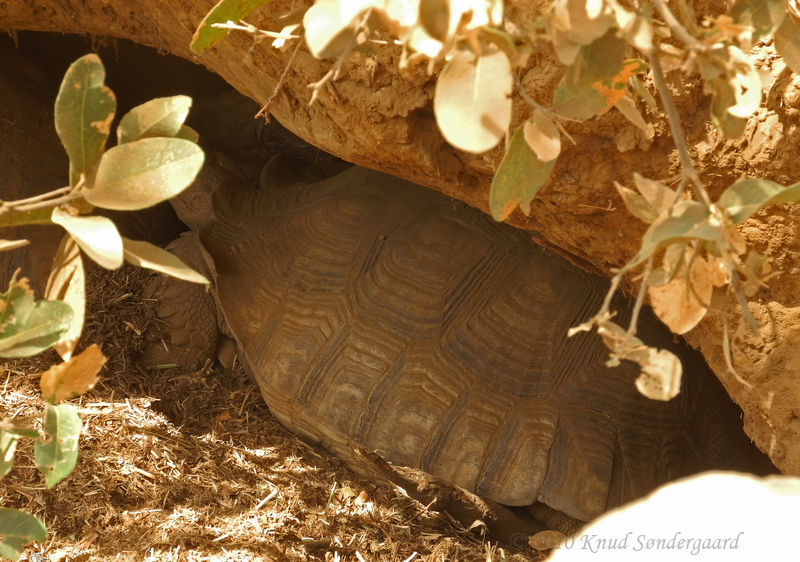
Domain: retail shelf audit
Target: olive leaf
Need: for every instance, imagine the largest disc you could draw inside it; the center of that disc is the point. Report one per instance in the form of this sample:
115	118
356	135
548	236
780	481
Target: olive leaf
57	453
17	529
764	16
518	178
225	10
472	102
144	254
628	108
159	117
434	16
66	283
143	173
97	236
74	377
27	326
689	219
636	204
747	196
722	98
84	110
9	436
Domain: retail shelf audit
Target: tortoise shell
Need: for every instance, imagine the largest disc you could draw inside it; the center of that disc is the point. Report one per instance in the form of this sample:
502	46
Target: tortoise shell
375	313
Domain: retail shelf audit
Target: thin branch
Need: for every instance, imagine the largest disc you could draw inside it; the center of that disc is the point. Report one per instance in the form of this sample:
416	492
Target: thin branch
36	198
264	111
687	167
249	28
49	203
675	26
533	103
637	307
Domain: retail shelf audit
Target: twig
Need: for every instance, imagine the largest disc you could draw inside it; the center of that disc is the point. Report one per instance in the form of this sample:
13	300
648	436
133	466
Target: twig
264	111
40	197
637	307
249	28
530	101
675	26
49	203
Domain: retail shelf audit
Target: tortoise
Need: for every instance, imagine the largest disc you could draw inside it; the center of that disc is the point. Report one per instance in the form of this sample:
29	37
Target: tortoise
378	315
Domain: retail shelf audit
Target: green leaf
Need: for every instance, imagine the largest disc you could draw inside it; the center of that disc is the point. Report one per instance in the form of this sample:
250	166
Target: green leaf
689	220
97	236
787	43
601	60
764	16
471	101
144	173
28	327
83	113
518	178
9	436
745	197
578	104
8	446
17	529
225	10
144	254
160	117
722	98
57	454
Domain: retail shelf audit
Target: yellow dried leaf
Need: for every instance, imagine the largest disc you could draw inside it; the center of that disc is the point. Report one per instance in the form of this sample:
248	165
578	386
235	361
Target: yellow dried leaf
66	283
677	305
74	377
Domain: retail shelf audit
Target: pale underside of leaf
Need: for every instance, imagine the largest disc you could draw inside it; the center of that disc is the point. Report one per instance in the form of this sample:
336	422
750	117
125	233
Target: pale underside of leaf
628	108
327	33
542	135
159	117
144	254
97	236
471	100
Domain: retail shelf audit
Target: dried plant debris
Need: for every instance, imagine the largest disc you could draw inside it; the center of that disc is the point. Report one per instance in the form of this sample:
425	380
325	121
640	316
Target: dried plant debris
192	466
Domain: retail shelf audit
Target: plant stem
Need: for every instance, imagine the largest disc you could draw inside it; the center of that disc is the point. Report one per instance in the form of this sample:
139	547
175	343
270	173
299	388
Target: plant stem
687	167
675	26
637	307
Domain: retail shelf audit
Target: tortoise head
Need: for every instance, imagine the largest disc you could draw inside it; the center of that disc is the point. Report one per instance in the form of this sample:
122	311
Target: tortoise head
194	204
